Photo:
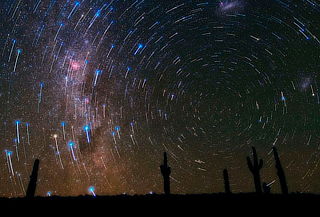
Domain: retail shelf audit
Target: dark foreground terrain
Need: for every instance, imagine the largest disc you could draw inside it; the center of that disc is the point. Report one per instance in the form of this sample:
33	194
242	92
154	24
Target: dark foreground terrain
234	203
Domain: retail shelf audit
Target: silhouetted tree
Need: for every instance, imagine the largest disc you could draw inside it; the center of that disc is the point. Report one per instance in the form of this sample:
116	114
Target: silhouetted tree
31	190
266	188
165	171
226	181
280	172
255	167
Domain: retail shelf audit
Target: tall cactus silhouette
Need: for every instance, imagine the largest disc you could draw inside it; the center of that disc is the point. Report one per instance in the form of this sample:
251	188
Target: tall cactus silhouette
165	171
31	190
280	172
226	181
255	166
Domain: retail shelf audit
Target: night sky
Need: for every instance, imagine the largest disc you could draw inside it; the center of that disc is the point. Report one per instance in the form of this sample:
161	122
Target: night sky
98	90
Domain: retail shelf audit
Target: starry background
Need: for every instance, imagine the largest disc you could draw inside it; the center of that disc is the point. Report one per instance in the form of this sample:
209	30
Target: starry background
97	90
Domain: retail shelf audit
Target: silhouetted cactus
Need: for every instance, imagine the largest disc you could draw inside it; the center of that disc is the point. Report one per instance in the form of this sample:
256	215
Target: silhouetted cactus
255	167
31	190
226	181
165	171
266	188
280	172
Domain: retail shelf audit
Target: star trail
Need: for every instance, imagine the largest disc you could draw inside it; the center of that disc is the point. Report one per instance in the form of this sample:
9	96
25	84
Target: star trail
98	90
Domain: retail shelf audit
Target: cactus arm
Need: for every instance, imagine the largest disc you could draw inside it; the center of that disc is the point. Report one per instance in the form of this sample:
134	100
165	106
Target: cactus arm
255	156
260	164
249	164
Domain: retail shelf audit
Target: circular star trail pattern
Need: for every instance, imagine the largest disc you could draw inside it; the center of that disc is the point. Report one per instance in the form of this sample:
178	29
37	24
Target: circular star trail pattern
97	90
